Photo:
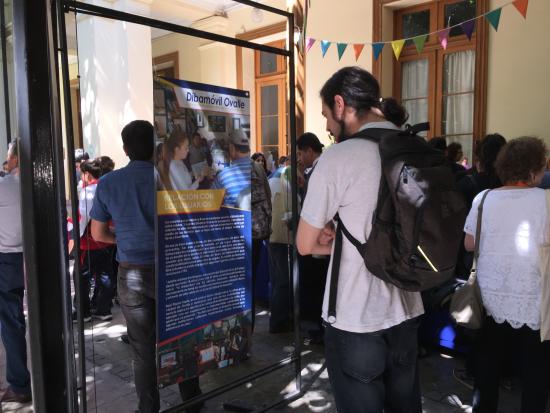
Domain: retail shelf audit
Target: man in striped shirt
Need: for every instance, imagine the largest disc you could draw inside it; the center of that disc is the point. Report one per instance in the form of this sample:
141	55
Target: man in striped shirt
235	179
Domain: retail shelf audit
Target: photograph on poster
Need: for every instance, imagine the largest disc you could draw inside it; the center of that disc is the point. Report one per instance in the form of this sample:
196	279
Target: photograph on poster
200	120
204	230
217	345
216	123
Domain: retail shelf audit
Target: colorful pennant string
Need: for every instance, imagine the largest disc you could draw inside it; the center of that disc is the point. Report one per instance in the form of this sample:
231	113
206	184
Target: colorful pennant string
468	27
419	42
521	6
494	18
341	49
377	49
358	48
325	44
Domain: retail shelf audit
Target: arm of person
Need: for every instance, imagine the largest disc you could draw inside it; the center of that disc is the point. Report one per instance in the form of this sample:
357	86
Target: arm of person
102	232
312	240
469	242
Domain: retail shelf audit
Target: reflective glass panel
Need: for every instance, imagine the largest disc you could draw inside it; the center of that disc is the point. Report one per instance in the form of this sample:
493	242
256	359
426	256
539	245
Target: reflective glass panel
457	13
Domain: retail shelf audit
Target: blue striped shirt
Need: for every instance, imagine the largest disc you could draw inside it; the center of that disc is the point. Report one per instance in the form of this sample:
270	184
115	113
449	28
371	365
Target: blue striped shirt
234	179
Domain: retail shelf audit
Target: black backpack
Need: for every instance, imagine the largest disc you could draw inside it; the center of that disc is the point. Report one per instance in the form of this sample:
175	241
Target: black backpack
418	221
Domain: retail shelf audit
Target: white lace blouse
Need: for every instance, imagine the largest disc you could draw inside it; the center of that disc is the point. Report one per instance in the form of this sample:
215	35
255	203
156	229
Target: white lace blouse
514	227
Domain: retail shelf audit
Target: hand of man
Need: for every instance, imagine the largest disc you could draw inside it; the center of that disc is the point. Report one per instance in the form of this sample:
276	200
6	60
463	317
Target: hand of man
327	234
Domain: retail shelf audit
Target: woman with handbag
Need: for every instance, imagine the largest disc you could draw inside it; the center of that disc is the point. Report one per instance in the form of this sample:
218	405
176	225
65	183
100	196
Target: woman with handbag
514	228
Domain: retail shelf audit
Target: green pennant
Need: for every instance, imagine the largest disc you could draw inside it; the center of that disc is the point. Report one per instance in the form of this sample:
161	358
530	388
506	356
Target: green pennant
419	42
494	18
341	49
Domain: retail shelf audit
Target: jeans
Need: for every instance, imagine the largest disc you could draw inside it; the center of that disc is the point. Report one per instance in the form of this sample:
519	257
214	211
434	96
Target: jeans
280	287
136	294
12	322
499	343
374	372
98	265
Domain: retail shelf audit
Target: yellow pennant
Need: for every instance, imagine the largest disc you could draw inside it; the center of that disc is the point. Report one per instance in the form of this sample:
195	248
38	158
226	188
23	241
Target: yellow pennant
397	46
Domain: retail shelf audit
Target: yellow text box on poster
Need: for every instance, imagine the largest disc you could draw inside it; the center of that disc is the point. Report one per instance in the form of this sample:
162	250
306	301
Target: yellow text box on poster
189	201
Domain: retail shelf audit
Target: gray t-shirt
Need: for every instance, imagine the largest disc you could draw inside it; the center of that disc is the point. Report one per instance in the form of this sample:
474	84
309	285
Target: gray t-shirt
11	238
346	181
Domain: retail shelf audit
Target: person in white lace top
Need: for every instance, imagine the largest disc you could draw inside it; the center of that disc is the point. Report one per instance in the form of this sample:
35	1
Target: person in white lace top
515	224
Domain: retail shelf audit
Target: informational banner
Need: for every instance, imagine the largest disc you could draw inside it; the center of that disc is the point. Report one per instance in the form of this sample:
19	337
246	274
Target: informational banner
203	235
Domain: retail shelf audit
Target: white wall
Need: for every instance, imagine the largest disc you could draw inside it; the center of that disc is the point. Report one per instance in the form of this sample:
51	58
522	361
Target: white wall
518	101
346	21
116	82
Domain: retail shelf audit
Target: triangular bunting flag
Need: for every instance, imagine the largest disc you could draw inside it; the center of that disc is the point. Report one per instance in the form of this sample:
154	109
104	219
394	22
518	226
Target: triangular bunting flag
358	50
521	5
419	42
341	49
325	44
397	46
377	49
444	37
494	18
468	28
309	43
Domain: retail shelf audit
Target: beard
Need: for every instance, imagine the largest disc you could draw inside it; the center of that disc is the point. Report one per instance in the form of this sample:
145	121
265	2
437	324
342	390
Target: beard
338	135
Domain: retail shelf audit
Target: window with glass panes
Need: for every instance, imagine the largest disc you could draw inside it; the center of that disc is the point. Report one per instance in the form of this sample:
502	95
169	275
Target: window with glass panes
438	85
271	107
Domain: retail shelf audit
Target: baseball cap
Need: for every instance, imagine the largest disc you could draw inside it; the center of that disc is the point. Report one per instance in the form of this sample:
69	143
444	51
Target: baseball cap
239	137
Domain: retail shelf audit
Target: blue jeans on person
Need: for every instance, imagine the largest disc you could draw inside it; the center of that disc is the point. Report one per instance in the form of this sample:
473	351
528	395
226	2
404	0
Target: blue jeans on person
374	372
12	323
280	287
136	294
98	265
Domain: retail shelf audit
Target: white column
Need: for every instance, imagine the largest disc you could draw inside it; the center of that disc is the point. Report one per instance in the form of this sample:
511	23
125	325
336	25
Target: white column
116	81
217	59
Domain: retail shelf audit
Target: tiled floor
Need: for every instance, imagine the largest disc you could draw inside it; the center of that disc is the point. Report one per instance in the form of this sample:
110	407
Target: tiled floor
110	386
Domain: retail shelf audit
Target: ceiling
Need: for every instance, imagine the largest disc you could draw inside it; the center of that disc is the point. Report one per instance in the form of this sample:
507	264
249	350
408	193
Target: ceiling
180	12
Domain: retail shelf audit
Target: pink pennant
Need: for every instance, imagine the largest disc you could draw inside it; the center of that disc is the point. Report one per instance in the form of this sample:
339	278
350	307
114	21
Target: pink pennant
444	37
309	43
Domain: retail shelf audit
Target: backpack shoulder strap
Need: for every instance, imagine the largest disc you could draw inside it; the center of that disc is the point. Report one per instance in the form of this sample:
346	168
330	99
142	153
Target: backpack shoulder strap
335	272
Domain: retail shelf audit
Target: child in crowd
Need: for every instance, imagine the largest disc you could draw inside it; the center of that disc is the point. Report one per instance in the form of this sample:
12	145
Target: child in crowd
95	257
174	174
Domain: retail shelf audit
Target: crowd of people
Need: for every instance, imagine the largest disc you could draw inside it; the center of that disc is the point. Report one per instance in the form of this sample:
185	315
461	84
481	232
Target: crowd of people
372	344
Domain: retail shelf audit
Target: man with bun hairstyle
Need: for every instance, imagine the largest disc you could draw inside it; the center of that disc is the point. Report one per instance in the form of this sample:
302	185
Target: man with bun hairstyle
371	344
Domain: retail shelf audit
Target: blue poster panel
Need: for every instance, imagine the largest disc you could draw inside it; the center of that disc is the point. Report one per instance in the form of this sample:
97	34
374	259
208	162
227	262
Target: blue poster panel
203	229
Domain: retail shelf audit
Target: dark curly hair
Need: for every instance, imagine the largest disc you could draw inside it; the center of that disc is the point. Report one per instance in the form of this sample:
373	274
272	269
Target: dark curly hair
519	158
361	91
